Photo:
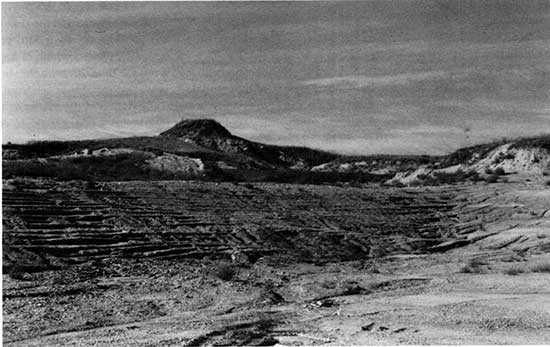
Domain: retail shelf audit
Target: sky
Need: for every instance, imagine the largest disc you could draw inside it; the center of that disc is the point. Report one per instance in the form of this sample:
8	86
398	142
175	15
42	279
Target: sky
395	77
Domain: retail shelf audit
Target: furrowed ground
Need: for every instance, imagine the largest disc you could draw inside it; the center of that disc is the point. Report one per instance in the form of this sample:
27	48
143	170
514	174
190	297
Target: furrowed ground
149	263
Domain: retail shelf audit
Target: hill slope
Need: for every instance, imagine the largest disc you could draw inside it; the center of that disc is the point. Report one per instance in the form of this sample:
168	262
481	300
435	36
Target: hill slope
212	135
214	153
528	158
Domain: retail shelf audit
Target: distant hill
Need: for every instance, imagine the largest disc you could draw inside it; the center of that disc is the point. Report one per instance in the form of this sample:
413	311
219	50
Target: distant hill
203	148
210	134
41	149
491	162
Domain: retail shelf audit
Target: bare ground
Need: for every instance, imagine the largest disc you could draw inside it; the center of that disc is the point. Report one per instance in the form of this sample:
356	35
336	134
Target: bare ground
139	264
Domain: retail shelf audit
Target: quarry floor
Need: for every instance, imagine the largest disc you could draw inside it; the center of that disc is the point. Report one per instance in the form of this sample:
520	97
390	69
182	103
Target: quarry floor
493	290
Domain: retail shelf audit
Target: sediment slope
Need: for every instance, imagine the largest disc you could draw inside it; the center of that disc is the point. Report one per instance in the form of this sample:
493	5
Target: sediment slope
138	264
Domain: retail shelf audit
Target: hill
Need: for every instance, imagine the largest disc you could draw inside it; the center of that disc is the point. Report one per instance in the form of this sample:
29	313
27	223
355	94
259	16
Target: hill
205	149
193	263
212	135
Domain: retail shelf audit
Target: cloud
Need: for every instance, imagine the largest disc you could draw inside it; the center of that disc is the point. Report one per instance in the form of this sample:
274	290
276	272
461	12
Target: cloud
360	77
427	129
413	144
360	81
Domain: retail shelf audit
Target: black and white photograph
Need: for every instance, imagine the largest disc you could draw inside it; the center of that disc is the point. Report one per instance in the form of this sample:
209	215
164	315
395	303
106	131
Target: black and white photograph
275	173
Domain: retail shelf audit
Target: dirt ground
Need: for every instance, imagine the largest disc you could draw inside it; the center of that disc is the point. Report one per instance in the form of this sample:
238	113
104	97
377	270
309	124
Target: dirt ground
440	265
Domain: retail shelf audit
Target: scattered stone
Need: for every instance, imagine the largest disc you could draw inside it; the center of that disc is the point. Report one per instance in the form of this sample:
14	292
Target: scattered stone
325	303
271	297
239	258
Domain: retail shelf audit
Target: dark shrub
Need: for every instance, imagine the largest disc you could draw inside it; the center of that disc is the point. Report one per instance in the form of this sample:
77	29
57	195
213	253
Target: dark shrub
18	272
500	171
473	266
398	184
120	167
475	177
225	272
514	271
452	177
542	267
491	178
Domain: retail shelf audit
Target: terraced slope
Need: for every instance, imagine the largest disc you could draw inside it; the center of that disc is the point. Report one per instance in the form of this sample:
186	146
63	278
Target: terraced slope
124	291
73	223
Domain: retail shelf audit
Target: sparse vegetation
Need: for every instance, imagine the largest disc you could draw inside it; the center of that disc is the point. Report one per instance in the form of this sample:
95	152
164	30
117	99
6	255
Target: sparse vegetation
474	265
515	270
493	178
542	141
439	178
252	162
278	232
249	186
91	183
541	267
499	171
465	155
398	184
293	176
156	144
18	272
373	267
225	272
124	166
475	177
509	156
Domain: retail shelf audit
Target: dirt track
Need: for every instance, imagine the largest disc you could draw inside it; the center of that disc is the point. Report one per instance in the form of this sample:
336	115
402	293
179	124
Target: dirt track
335	265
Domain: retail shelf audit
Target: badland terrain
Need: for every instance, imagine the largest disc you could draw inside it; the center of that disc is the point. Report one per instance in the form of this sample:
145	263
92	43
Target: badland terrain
199	237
